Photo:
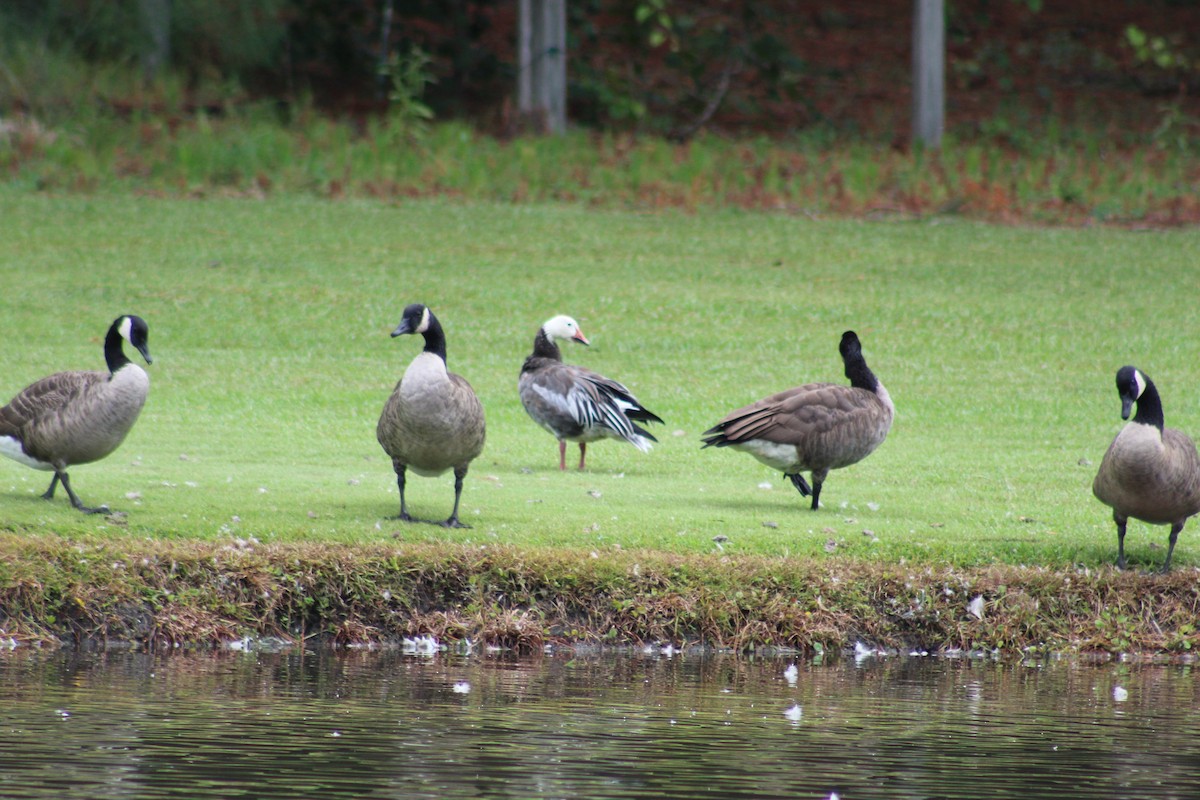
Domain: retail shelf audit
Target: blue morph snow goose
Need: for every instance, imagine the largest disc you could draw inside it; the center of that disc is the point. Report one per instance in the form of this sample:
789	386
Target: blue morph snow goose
1150	472
574	403
78	417
816	427
433	421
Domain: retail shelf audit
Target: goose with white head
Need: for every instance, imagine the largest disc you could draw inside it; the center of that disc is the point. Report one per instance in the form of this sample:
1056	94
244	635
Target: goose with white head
1149	472
576	404
433	421
77	417
816	427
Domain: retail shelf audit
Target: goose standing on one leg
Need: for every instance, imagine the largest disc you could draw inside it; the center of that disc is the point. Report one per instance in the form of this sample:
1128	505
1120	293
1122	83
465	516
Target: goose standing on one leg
1150	472
77	417
433	421
576	404
816	427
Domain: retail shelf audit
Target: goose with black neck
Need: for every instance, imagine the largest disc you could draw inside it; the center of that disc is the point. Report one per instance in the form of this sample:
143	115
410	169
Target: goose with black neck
433	420
1149	472
817	427
77	417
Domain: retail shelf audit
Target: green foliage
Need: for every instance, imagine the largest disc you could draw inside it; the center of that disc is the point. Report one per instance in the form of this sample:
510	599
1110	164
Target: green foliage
408	75
228	39
1016	168
1169	59
1177	131
210	40
694	56
1117	628
655	20
1159	51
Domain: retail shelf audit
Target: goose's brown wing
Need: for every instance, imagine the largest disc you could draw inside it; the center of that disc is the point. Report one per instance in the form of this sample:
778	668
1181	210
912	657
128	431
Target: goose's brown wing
787	417
37	407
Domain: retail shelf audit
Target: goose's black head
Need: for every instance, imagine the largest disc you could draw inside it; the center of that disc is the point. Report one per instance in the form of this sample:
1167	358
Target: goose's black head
850	347
416	319
1131	384
135	331
857	371
126	328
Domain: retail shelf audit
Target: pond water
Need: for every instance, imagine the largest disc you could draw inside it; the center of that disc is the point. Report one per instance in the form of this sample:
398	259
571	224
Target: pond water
388	725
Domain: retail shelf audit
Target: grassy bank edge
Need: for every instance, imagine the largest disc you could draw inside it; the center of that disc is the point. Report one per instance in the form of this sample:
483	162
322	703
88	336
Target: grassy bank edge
56	590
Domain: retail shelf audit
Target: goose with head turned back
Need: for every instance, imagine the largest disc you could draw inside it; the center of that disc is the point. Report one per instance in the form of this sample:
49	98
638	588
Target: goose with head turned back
432	422
574	403
1149	472
816	427
77	417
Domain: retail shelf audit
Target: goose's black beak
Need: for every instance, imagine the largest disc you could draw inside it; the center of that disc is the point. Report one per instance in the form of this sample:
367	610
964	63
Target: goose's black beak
1126	407
145	351
401	329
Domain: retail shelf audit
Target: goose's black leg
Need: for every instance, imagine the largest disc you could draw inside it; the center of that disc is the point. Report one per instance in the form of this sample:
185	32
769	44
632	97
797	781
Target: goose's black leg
49	493
818	480
1121	521
800	484
400	469
75	501
805	490
453	522
1175	529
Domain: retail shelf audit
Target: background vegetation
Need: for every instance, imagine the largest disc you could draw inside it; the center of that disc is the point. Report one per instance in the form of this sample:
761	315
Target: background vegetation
1052	118
645	65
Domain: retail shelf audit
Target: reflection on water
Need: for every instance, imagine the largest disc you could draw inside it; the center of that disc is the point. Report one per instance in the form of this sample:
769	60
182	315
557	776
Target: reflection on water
386	725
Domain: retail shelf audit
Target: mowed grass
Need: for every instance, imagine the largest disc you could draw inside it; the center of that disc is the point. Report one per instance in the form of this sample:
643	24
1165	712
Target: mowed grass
269	329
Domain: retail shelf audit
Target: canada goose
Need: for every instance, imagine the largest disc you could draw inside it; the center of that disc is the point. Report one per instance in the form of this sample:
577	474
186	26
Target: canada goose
1150	472
815	427
77	417
576	404
433	421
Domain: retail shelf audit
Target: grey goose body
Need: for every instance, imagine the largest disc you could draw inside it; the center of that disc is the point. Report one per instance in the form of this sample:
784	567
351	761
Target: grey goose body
816	428
77	417
575	404
1149	472
433	421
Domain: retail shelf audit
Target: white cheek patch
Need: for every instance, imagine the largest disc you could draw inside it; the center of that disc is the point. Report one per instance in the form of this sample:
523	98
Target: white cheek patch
1140	382
424	326
126	329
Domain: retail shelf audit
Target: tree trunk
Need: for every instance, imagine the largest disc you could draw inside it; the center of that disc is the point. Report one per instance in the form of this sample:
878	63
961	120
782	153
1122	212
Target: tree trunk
929	84
156	30
542	63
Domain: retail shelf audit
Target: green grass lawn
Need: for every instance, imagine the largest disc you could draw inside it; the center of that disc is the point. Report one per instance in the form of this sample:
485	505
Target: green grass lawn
269	328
